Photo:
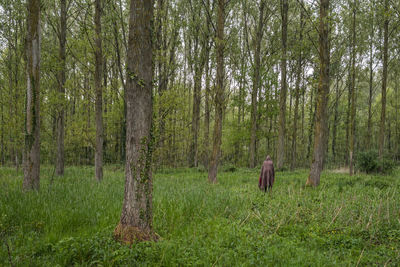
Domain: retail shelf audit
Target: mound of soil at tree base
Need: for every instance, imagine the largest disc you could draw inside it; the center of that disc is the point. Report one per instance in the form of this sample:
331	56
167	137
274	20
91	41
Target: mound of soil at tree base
128	235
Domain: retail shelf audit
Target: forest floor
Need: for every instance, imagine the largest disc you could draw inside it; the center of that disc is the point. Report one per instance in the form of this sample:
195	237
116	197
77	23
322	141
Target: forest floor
345	221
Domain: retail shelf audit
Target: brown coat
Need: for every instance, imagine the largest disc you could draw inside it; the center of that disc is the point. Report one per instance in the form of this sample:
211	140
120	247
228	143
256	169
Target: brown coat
267	175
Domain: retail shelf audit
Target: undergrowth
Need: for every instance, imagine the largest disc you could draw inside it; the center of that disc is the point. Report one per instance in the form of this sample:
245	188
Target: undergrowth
345	221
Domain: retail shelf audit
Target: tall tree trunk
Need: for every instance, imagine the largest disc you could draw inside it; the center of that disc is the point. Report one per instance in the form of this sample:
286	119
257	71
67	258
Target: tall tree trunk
311	122
200	62
371	82
137	217
256	86
282	100
98	74
61	90
32	125
322	97
2	158
207	112
219	94
297	95
335	118
353	93
384	80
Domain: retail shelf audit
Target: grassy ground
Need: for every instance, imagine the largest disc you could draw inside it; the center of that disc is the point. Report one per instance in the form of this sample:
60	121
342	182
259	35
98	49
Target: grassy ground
345	221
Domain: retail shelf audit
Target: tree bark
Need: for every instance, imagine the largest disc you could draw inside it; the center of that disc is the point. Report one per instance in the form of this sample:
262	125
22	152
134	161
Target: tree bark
98	74
384	80
61	90
219	94
32	119
335	118
371	81
282	100
297	95
353	93
256	86
322	97
136	217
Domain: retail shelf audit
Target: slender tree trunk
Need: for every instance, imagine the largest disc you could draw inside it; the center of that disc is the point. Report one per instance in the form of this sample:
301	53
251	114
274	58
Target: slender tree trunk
201	60
207	113
282	100
384	81
61	90
297	95
2	159
32	119
219	94
137	216
336	118
256	86
371	81
99	92
322	97
353	94
311	122
121	76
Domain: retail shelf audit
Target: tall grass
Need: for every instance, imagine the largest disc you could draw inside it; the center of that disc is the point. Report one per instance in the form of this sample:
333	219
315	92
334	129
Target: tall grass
345	221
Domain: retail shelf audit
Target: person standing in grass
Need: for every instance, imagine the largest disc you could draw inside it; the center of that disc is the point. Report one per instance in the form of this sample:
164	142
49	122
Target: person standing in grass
267	176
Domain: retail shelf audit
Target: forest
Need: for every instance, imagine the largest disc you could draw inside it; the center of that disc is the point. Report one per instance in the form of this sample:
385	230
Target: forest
133	132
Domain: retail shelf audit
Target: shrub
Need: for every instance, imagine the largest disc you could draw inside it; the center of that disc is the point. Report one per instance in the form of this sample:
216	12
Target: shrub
369	162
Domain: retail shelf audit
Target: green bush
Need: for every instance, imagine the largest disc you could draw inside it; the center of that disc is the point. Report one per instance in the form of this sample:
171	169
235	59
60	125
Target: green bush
369	162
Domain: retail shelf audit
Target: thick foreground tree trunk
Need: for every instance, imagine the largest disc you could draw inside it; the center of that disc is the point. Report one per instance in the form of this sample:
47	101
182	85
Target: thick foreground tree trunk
136	218
321	119
61	90
219	94
98	159
282	100
32	120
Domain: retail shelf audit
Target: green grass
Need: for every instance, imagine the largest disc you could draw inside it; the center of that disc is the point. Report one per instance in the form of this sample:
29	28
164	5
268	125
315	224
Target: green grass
345	221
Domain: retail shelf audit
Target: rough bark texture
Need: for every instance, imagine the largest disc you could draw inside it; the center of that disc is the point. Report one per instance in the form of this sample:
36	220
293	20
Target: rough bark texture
256	86
136	217
322	97
282	100
297	96
98	74
384	81
61	90
32	120
353	94
219	94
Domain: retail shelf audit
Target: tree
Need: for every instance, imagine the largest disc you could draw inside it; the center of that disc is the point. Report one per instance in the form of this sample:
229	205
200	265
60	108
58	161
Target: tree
136	218
61	89
384	79
219	92
32	125
353	91
320	130
256	85
297	94
98	74
282	98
